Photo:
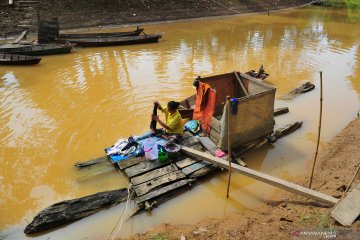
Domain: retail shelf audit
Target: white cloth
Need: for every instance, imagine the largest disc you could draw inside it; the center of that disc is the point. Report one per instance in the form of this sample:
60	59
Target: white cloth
118	147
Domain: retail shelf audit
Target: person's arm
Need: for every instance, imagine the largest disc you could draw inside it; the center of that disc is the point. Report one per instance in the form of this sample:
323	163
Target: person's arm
156	118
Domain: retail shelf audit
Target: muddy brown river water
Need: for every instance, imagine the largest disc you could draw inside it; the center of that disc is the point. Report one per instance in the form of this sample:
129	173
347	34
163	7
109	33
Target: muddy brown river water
70	107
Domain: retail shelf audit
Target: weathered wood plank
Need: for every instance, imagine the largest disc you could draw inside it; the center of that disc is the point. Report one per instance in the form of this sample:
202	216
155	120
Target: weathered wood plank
163	190
277	182
186	162
214	135
189	141
215	124
153	174
144	167
91	162
130	162
348	209
208	144
194	167
68	211
198	147
186	135
203	171
157	182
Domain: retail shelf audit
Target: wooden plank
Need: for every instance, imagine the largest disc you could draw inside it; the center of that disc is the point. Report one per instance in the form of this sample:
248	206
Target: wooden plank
189	141
215	124
186	135
144	167
163	190
277	182
130	162
194	167
208	145
348	209
214	135
203	171
241	84
198	147
153	174
185	162
158	182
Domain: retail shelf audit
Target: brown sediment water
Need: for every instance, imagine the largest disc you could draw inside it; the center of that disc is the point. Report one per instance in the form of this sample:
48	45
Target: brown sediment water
70	107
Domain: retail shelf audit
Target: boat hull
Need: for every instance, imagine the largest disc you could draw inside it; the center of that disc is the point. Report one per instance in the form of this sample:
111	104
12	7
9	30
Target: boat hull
13	59
96	35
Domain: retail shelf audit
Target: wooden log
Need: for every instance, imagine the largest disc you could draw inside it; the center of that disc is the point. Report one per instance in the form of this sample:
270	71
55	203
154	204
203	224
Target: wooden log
280	111
69	211
91	162
304	88
290	128
189	141
148	186
143	167
130	162
153	174
161	191
277	182
348	209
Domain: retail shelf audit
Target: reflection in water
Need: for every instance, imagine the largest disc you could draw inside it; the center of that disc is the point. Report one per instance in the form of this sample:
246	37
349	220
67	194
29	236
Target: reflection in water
70	107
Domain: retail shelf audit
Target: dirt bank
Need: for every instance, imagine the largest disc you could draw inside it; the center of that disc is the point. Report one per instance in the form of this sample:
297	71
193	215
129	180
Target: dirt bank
337	163
89	13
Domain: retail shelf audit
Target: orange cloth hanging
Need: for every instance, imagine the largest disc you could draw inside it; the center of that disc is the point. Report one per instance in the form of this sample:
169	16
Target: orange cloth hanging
204	106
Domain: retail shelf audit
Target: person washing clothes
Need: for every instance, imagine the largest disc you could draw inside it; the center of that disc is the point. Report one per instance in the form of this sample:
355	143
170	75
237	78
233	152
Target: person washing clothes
173	124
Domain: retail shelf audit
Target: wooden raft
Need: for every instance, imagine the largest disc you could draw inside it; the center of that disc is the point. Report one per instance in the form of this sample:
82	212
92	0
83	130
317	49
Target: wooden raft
154	182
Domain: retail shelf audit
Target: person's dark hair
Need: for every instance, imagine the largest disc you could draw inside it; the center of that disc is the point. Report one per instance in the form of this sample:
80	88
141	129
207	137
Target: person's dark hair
173	105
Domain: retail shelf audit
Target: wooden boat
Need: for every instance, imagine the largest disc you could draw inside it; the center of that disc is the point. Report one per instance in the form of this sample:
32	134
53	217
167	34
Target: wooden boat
35	50
112	41
13	59
136	32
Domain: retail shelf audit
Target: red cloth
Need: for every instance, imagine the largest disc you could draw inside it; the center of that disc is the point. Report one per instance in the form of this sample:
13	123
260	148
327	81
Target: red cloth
204	106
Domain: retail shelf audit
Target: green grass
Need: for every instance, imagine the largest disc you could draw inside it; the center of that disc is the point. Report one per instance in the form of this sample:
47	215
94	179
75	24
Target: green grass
343	3
158	236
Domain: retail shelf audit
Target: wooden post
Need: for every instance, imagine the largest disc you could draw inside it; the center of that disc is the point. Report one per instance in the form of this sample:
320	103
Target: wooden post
319	130
228	143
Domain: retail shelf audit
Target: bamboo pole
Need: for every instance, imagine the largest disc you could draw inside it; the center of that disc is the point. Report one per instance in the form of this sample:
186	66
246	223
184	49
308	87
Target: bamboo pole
229	143
352	180
319	130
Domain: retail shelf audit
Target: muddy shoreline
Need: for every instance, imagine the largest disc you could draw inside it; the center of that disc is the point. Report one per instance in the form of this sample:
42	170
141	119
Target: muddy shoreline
93	14
337	163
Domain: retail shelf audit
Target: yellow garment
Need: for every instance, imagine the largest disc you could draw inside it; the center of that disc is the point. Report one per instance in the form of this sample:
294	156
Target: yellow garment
173	121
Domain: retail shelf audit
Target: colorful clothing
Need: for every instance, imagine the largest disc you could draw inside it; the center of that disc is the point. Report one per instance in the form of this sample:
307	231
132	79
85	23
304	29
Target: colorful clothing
173	121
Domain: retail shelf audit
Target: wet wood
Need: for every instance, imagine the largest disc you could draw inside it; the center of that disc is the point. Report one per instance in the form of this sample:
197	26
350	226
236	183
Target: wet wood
280	111
194	167
203	171
69	211
130	162
153	174
158	182
163	190
189	141
208	145
186	162
290	128
304	88
348	209
91	162
239	161
277	182
144	166
186	135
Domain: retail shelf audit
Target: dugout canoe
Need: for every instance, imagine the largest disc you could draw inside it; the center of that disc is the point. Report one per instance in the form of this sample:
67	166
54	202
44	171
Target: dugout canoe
35	50
13	59
136	32
112	41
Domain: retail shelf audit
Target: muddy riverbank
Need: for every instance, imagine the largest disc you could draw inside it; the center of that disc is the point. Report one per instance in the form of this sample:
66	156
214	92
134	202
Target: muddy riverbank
337	163
84	14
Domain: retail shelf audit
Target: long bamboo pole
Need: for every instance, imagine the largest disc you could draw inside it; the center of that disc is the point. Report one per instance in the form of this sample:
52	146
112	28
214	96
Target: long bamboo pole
229	142
319	130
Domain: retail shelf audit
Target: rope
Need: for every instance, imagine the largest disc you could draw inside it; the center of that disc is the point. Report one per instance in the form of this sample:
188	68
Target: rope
121	217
